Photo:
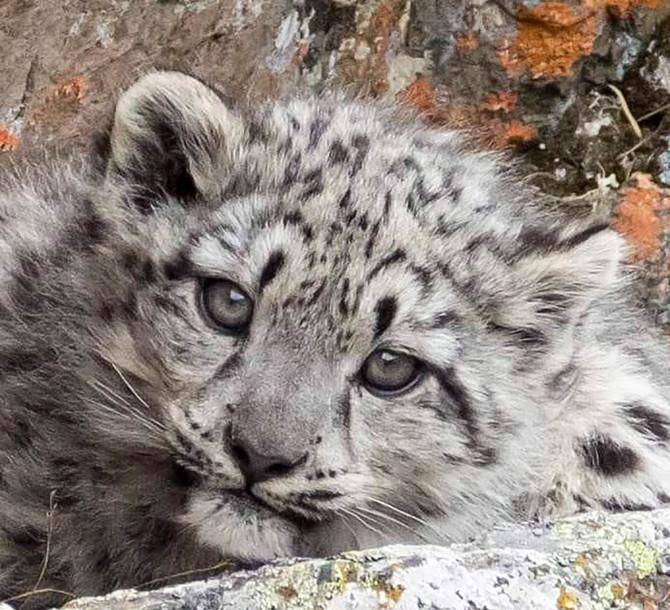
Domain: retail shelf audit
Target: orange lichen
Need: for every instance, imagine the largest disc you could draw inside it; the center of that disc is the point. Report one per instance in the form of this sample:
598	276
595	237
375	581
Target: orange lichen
420	94
504	101
466	43
492	132
507	134
8	141
638	218
72	89
551	38
62	99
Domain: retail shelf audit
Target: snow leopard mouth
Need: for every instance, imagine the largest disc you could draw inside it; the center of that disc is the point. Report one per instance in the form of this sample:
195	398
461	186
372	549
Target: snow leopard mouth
245	501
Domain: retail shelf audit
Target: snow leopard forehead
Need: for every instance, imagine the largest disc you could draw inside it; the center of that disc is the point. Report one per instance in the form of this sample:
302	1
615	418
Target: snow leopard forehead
342	207
331	206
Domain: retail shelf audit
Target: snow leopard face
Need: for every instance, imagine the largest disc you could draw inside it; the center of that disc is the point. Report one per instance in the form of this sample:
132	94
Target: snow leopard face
339	323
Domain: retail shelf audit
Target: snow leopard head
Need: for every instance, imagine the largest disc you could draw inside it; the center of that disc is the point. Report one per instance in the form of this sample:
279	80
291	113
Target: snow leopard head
345	324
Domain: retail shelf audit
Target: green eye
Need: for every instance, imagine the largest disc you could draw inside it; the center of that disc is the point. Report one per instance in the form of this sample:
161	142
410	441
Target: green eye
388	371
227	305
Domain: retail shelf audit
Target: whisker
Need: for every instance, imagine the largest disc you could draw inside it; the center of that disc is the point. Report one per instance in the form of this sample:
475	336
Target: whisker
408	515
130	387
121	415
390	519
346	524
130	410
363	522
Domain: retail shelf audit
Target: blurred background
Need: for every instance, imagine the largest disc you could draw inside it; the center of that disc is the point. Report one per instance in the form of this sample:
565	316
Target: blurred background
577	91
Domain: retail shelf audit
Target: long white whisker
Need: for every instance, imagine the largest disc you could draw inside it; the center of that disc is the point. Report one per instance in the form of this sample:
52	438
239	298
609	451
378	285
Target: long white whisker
122	404
148	425
363	522
130	387
346	524
408	515
386	517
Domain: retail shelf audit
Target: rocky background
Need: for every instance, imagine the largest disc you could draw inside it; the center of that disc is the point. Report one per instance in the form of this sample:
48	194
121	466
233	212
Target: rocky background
578	90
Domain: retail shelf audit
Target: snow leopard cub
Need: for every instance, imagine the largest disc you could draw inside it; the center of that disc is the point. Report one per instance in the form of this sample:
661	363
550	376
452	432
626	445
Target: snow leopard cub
291	330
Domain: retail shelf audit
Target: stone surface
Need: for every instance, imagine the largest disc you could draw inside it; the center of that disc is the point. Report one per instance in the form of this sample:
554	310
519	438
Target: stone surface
591	562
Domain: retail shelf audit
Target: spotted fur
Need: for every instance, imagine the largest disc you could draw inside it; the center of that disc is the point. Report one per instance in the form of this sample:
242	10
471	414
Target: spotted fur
543	388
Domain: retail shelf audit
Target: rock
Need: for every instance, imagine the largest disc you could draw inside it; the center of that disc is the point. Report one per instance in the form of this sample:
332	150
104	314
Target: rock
592	561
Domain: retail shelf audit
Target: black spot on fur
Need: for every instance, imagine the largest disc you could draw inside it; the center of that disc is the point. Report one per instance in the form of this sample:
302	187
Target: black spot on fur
291	172
271	269
342	305
648	422
385	309
316	294
362	145
337	153
388	201
484	456
257	132
608	458
345	200
293	218
313	184
316	131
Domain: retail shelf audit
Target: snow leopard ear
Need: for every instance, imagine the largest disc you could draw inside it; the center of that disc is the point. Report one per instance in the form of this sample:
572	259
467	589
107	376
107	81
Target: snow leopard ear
552	289
171	134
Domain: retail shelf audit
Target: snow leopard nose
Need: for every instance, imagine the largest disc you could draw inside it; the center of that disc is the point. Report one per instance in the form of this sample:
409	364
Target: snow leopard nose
257	468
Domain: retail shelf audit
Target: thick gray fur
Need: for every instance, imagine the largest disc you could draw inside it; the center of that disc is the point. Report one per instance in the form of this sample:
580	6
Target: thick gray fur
544	388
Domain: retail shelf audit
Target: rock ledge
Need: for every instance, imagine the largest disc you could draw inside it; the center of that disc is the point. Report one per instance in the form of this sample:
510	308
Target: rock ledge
592	561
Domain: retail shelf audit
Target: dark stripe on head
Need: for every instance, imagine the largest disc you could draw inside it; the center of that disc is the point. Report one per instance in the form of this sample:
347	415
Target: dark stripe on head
385	309
460	399
177	268
647	421
577	239
229	365
272	267
344	410
397	256
535	238
608	458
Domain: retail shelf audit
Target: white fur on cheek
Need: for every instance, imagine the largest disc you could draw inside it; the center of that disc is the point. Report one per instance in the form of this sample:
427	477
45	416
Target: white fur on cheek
238	531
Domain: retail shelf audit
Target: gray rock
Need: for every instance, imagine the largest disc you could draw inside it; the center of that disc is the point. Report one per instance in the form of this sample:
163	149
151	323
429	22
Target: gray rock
591	562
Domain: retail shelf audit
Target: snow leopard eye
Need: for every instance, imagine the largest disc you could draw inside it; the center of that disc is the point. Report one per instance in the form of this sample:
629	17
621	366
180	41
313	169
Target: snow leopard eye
388	371
227	305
